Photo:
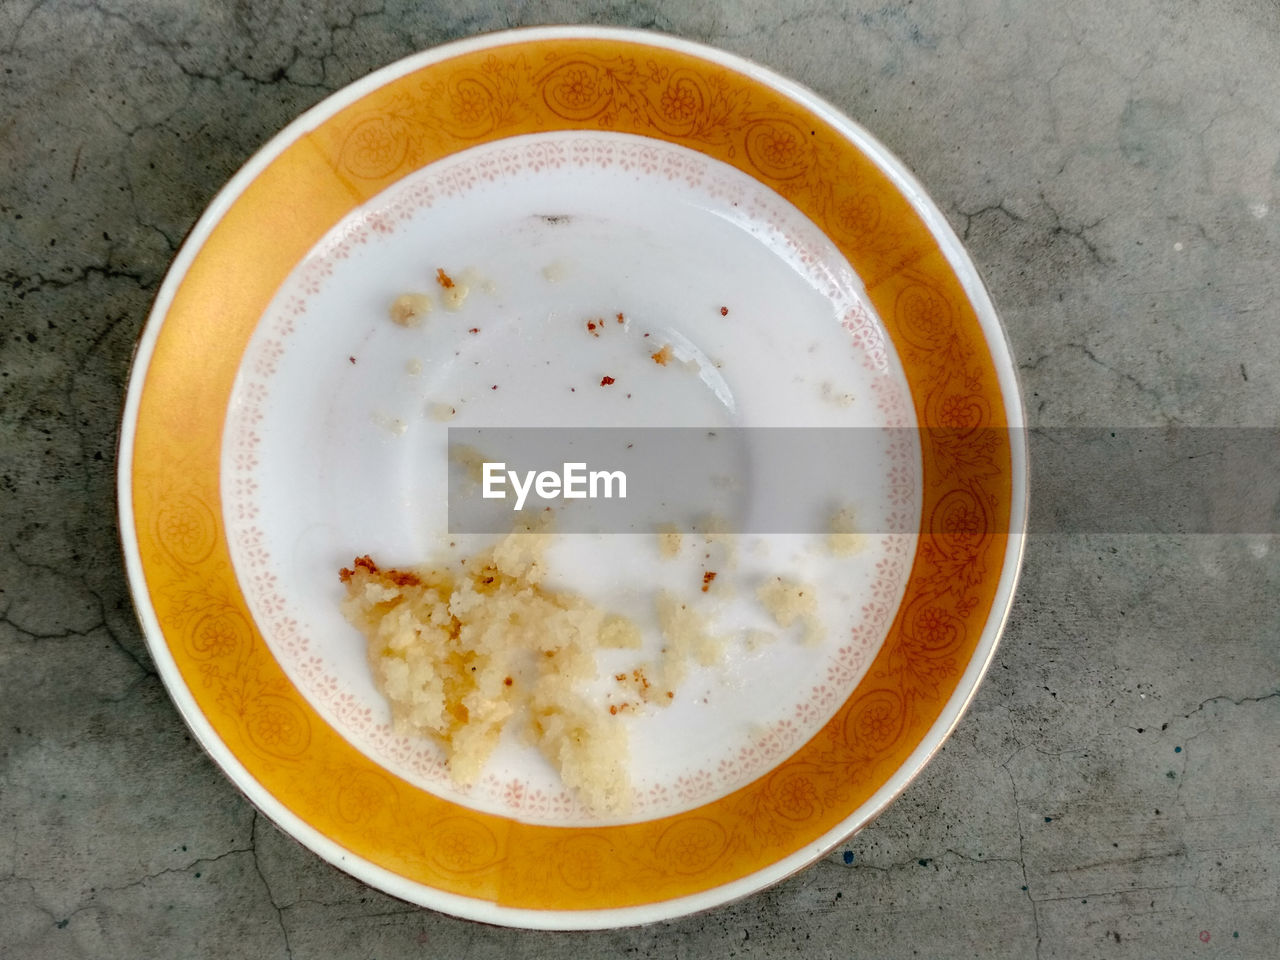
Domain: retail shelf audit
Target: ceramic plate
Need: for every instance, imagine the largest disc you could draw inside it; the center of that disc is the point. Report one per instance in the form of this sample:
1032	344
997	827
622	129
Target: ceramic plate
594	197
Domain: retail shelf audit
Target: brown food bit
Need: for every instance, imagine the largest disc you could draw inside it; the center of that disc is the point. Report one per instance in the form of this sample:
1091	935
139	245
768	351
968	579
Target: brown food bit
352	359
706	580
724	311
670	695
508	681
494	387
663	356
621	318
361	563
443	278
605	381
474	330
613	709
403	578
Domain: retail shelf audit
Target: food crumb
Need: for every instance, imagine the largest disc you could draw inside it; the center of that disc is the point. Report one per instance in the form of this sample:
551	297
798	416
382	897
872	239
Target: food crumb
724	311
707	579
393	425
788	603
843	538
442	411
621	318
446	648
593	327
663	356
474	330
455	297
606	381
352	359
443	278
687	635
408	309
413	366
829	394
669	540
555	272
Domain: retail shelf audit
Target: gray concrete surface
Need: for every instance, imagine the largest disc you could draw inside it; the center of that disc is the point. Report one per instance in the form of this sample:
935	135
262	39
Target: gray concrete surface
1114	790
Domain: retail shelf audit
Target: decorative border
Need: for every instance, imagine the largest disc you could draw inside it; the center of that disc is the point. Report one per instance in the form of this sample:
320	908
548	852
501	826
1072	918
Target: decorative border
378	825
280	621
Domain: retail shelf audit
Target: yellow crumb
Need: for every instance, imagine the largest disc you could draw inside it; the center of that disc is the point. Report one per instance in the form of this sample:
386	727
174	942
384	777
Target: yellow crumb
408	309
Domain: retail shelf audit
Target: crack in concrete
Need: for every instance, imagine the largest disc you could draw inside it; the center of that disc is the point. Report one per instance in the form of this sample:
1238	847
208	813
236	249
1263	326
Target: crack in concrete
22	25
271	897
969	217
1022	856
38	282
1122	374
1235	703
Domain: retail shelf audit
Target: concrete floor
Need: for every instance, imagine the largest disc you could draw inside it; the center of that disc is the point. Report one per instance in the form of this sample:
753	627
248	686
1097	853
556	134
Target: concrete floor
1114	790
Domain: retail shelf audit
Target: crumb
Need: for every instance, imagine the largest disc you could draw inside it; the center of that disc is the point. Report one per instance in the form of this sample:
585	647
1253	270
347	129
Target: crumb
724	311
408	309
393	425
687	635
621	318
444	279
454	297
352	359
669	540
789	603
471	459
663	356
474	330
442	412
843	538
494	387
707	579
594	327
555	272
413	366
447	649
606	381
830	395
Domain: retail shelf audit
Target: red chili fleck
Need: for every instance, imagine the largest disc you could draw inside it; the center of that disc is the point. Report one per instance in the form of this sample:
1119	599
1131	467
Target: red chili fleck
591	325
605	381
474	330
352	359
494	387
724	311
621	318
508	681
706	580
